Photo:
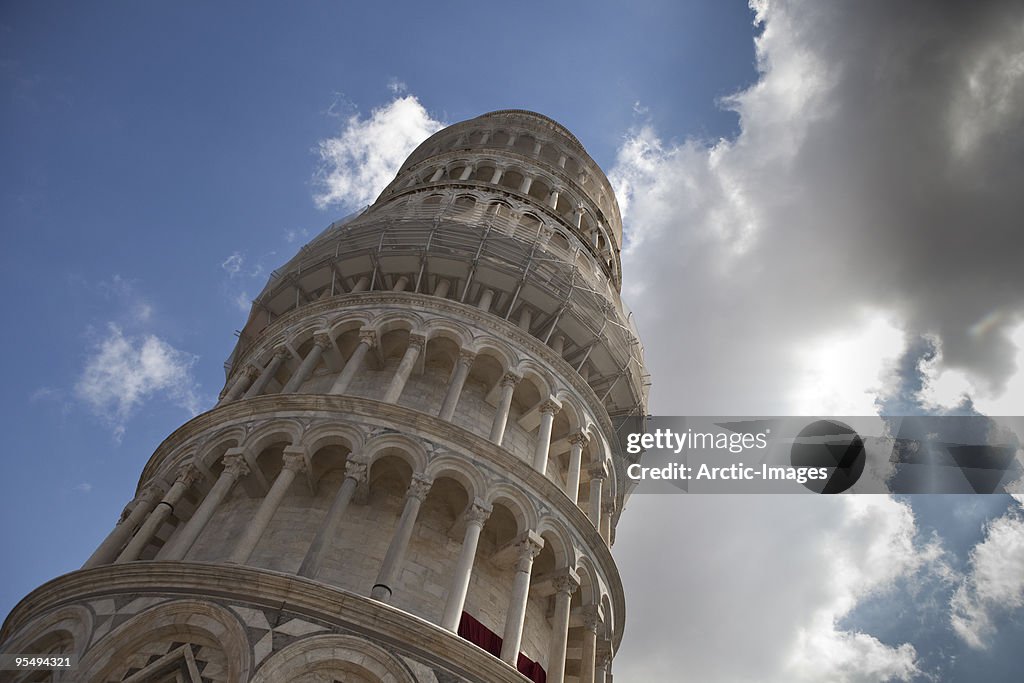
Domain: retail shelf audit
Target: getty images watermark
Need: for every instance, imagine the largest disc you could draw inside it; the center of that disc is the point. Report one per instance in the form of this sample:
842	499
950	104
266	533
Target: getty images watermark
962	454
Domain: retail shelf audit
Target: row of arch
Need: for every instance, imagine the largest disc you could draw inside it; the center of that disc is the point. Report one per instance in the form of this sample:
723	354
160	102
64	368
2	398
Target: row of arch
528	144
440	490
463	377
199	626
528	182
514	218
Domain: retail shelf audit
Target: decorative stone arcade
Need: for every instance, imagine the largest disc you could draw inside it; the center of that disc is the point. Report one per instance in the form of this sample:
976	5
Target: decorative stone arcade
408	474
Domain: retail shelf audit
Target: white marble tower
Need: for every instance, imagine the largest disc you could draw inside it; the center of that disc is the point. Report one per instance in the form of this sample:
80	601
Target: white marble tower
413	442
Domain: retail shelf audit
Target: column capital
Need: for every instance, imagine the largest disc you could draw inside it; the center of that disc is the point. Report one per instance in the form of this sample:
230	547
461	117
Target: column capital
416	339
188	475
235	465
566	583
527	548
477	512
322	339
608	507
294	460
356	468
466	356
578	439
282	352
551	405
598	471
419	487
251	371
368	337
510	379
591	618
151	491
603	657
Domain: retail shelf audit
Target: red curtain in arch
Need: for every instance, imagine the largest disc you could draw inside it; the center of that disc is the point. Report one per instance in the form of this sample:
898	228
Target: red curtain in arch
472	630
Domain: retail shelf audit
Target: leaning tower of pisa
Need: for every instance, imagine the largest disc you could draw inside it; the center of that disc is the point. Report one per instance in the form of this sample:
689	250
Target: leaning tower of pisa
409	474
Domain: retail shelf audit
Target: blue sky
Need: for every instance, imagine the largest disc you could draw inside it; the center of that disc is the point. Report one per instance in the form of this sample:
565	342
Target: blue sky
160	160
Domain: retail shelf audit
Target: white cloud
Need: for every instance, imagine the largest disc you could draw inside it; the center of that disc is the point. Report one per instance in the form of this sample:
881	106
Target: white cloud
292	234
754	588
358	163
232	265
875	138
243	302
84	487
123	372
995	583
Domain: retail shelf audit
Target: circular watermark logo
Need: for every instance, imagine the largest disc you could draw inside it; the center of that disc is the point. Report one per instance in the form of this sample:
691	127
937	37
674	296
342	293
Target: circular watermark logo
833	445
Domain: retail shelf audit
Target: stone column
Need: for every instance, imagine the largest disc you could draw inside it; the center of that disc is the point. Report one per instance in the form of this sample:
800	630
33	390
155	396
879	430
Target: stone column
451	398
525	319
244	380
467	172
603	663
598	473
526	549
607	512
565	586
475	517
360	285
508	387
355	474
553	199
437	175
321	341
441	289
558	344
148	531
268	373
235	468
110	547
395	556
572	485
485	300
591	620
294	462
412	352
366	341
547	418
496	178
526	185
400	284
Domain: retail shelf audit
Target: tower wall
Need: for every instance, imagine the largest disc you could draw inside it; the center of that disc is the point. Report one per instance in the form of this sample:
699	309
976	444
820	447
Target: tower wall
413	441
